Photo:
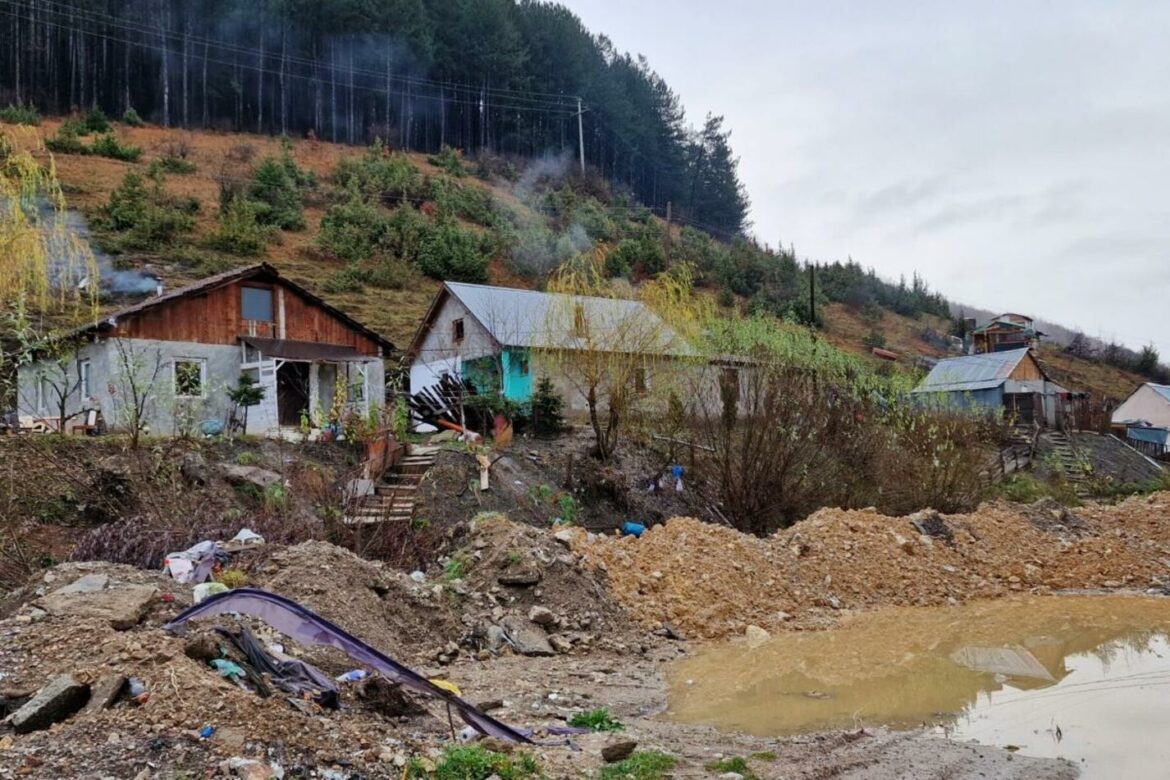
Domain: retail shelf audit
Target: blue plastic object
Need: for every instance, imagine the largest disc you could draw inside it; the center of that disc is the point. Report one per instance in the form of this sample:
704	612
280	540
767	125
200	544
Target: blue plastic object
206	732
630	528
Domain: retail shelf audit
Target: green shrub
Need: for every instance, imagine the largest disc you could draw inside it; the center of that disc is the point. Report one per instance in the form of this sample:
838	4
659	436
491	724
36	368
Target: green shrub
599	719
643	256
379	174
547	409
448	160
174	165
95	122
642	765
475	762
392	274
448	252
106	145
875	339
239	232
67	141
20	114
145	214
353	230
275	190
131	118
470	203
352	278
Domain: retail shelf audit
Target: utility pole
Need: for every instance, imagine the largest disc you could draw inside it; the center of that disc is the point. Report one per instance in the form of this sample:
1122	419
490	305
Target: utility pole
581	135
812	295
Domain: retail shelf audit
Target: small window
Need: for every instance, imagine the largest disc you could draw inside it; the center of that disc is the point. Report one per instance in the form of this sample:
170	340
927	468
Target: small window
641	380
83	382
256	304
522	365
45	395
189	378
457	331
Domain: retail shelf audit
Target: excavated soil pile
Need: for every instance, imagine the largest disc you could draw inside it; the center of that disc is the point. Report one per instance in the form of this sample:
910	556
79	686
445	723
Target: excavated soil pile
712	581
379	605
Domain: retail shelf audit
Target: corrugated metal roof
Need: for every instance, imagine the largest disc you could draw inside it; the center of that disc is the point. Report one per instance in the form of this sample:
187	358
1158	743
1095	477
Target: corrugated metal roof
1162	390
971	372
527	318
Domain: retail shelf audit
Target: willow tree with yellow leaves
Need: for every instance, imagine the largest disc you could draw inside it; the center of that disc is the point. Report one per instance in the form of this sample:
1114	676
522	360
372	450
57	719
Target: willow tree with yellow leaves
41	260
620	349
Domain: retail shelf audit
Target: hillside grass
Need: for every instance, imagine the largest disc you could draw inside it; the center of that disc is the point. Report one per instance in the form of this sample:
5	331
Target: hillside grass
89	180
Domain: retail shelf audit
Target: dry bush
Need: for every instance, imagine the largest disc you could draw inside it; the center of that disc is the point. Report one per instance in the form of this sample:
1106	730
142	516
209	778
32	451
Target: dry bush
177	147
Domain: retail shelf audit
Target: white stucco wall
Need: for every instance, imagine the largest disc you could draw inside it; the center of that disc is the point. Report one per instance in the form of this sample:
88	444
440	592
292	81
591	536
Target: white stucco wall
1145	404
439	354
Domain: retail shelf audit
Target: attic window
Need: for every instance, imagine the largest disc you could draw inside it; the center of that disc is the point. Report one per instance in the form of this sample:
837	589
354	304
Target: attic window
580	324
256	304
457	331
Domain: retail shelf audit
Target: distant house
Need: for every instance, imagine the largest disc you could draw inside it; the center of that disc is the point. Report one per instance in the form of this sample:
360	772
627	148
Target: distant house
1012	381
1005	333
1145	416
491	335
181	351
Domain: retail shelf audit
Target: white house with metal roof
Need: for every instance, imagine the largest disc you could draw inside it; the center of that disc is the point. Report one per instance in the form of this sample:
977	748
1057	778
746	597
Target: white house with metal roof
1013	381
490	335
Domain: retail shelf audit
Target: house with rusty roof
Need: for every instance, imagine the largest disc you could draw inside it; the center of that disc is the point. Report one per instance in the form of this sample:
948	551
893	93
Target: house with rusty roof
170	359
1013	382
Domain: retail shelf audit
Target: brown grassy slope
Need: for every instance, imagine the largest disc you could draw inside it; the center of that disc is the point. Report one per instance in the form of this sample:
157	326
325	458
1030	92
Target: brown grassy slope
846	330
395	313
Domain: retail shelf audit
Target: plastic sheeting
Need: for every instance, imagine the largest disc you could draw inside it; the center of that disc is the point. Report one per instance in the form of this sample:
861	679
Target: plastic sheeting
309	628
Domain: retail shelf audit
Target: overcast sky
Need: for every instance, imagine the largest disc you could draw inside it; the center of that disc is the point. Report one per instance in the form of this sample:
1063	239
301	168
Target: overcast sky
1017	154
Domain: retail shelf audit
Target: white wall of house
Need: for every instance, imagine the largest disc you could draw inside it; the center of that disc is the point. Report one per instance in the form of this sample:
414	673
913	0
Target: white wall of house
153	364
1145	404
440	353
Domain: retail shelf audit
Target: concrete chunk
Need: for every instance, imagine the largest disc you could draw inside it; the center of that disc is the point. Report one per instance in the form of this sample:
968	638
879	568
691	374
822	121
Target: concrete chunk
123	605
526	637
55	702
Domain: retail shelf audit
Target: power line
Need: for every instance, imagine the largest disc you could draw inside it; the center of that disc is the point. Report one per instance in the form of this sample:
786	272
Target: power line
558	100
255	68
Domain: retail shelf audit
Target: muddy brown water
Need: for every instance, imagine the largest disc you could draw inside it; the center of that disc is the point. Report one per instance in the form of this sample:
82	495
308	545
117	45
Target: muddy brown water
1085	678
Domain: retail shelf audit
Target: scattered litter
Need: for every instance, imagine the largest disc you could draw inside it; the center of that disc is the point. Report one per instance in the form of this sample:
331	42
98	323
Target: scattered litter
228	668
630	528
418	576
305	626
206	590
247	536
195	564
206	732
352	676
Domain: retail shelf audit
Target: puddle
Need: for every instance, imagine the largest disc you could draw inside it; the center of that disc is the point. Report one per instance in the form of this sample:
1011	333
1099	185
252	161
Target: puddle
1085	678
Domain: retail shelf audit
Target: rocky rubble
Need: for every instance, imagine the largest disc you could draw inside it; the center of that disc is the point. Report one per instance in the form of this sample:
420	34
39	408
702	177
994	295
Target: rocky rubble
711	581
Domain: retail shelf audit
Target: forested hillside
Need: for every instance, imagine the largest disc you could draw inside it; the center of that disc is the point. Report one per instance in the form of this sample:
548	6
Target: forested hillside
496	77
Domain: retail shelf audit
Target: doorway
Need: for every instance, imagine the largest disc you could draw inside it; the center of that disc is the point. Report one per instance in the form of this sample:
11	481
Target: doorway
292	393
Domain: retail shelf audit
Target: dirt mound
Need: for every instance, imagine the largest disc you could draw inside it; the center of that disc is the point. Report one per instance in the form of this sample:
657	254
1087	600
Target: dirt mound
373	602
712	581
516	567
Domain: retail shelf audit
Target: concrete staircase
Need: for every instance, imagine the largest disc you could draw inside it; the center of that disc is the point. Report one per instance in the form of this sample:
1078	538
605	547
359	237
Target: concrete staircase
396	493
1069	462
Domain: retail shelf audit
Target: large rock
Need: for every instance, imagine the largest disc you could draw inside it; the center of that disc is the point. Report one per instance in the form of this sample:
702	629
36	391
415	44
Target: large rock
526	637
55	702
618	751
93	597
542	616
254	475
194	468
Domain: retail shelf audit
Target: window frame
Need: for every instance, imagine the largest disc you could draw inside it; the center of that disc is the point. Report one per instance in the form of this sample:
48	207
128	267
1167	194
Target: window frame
201	363
85	378
244	288
458	331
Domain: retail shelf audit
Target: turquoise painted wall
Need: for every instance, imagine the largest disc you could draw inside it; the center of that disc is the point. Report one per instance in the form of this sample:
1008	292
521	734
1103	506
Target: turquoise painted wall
517	375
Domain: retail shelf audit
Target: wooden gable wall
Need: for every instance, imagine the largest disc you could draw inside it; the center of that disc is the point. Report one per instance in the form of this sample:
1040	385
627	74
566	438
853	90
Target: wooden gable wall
214	317
1027	368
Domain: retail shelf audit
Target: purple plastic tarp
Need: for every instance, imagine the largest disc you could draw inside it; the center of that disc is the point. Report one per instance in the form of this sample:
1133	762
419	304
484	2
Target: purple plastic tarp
305	626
